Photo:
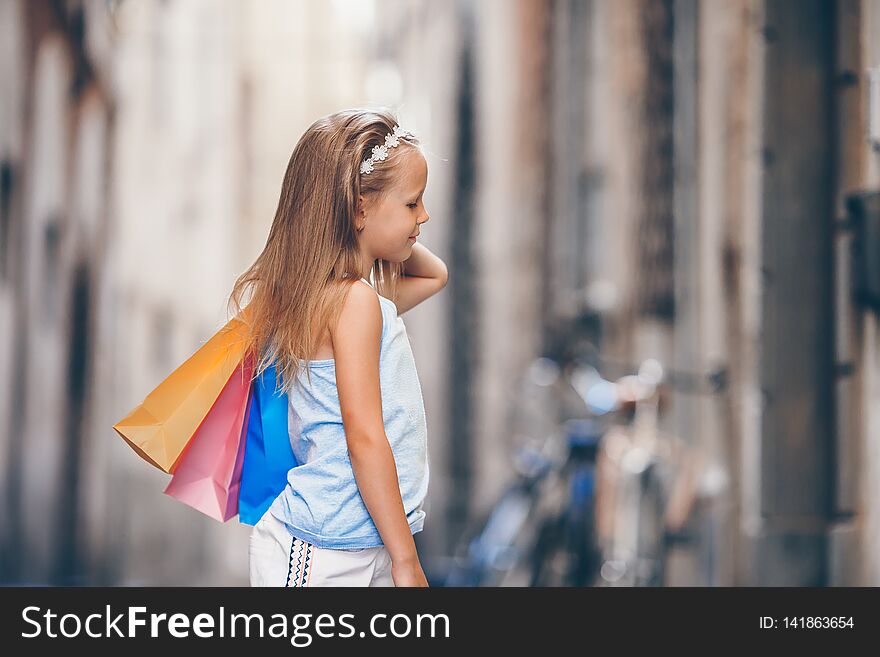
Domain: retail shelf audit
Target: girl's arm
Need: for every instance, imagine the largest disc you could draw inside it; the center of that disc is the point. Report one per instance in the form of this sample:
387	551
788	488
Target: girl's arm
356	344
424	274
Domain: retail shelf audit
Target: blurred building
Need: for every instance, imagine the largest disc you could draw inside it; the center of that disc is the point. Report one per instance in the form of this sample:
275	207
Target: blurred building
55	162
694	159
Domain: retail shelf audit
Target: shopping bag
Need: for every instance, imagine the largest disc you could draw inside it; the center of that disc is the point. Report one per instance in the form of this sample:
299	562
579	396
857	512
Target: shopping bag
160	427
208	474
268	454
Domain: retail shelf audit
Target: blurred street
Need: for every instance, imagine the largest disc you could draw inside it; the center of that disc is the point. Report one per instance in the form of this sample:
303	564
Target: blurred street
657	358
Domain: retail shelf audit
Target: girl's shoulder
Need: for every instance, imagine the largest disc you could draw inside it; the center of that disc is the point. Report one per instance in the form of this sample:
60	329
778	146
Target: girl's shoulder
361	323
362	298
361	306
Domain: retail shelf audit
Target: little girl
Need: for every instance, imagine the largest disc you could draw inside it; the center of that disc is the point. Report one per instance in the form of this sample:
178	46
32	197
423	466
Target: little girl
340	265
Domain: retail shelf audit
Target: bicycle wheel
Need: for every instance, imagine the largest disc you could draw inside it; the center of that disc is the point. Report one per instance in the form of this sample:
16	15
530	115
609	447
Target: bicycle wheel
549	555
565	551
650	562
585	557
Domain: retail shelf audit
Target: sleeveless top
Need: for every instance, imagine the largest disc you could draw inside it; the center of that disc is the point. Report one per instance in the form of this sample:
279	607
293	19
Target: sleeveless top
321	502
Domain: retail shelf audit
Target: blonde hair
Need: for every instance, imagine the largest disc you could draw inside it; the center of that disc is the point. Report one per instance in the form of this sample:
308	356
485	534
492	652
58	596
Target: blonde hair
310	259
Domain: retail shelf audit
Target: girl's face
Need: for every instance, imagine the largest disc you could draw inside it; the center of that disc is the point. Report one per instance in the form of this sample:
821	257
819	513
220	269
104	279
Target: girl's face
389	225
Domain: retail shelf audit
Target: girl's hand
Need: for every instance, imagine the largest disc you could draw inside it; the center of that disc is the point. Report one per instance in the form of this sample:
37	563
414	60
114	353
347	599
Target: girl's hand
408	574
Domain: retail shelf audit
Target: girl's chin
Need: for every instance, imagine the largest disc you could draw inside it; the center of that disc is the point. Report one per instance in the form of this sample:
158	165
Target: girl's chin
400	257
405	253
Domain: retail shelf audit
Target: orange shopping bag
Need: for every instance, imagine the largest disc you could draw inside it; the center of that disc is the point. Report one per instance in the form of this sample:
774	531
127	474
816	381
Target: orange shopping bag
160	427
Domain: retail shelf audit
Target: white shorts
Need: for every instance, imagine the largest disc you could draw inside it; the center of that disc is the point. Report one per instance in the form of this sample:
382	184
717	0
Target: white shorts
278	559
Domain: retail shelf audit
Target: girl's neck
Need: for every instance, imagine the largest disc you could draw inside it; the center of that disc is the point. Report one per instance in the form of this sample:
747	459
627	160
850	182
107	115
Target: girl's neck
365	274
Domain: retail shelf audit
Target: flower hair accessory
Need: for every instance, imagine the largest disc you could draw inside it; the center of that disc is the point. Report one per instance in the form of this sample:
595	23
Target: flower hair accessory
380	151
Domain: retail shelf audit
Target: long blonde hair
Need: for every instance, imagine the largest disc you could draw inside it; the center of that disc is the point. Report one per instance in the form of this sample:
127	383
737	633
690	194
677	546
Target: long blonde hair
296	283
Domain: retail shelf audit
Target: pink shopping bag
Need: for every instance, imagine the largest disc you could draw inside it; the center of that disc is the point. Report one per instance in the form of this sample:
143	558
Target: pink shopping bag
208	475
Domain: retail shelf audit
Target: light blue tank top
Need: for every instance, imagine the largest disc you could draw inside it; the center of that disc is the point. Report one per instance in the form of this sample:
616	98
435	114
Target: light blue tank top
321	503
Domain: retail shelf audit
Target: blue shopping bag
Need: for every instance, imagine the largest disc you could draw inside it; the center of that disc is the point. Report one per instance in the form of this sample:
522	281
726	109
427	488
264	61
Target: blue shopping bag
268	455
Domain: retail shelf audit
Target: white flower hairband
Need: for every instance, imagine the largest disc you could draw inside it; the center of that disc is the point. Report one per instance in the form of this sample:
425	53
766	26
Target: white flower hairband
380	151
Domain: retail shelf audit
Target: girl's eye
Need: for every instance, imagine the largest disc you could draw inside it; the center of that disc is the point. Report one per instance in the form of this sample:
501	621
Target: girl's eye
411	205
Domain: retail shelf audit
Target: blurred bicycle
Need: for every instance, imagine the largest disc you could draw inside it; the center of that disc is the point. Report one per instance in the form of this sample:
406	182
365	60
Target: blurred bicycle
649	483
540	532
599	493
